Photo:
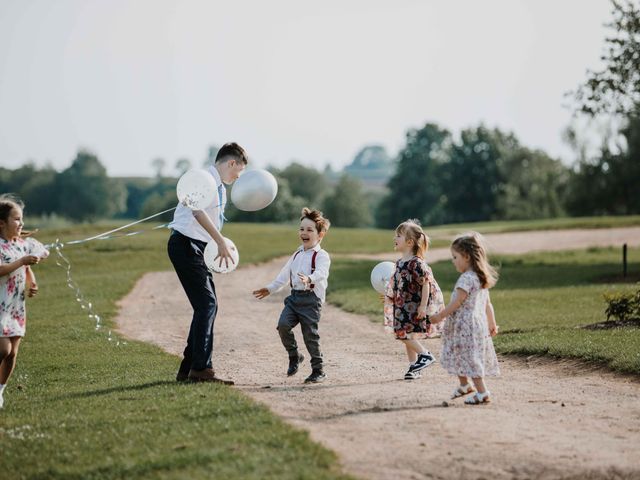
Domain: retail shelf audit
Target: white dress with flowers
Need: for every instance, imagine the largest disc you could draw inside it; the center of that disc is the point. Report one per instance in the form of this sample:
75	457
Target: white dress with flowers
13	316
467	347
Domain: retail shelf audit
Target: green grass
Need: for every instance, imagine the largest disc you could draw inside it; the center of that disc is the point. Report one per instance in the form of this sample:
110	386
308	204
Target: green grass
530	225
81	407
540	300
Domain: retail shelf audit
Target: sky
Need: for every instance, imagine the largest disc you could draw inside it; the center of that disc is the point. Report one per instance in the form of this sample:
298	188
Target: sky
289	80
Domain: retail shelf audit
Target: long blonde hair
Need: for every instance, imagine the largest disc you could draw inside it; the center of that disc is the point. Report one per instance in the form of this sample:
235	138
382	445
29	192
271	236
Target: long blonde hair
411	230
472	245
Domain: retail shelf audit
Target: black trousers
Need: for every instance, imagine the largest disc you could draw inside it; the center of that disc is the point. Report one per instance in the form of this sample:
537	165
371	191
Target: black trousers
187	256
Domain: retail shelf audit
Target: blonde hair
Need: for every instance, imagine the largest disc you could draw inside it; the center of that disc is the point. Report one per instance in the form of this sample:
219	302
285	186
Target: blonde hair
322	223
411	230
472	245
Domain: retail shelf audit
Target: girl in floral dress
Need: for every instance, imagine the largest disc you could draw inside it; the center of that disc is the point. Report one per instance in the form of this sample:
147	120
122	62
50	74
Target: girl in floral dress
16	278
467	347
412	296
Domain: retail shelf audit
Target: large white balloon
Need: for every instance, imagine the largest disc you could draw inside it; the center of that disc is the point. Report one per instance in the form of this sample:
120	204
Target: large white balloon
197	189
211	252
381	274
254	190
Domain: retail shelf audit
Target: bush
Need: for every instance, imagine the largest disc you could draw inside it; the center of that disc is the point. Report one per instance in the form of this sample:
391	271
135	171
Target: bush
623	306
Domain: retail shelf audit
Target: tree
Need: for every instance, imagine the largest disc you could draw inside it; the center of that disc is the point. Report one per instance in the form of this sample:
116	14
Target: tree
305	182
607	184
535	186
158	165
372	163
182	165
616	88
347	205
415	190
85	192
473	178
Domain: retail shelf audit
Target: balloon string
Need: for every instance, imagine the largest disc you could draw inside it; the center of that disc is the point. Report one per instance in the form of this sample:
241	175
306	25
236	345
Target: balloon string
84	303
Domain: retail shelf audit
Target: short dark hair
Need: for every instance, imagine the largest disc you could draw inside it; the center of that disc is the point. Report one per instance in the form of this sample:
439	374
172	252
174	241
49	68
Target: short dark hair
232	149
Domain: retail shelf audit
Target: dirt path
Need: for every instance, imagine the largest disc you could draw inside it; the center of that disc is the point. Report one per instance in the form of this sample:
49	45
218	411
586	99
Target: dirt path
548	420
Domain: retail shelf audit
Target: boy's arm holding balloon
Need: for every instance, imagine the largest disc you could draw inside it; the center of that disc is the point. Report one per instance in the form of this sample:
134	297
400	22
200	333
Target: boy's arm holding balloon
281	280
223	250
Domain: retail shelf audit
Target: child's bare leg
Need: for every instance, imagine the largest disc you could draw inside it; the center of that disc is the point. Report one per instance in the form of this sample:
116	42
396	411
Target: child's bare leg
416	346
464	381
479	383
411	353
8	353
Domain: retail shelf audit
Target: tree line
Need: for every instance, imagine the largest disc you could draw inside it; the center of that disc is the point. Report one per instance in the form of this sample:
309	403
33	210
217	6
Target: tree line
438	177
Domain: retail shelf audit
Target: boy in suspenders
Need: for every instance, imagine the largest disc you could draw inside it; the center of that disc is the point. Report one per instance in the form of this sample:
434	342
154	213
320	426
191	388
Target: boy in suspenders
306	272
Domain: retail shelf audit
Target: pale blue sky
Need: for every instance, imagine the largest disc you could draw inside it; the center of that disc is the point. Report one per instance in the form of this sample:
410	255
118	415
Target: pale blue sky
313	81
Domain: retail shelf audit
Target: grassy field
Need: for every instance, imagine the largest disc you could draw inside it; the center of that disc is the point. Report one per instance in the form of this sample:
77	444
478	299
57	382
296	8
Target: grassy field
541	301
81	407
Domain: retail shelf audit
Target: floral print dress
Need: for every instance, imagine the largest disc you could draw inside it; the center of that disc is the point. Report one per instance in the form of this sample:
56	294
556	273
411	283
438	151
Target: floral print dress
13	316
403	298
467	347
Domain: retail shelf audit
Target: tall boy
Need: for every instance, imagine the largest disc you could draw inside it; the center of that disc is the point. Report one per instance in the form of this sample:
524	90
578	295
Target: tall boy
190	233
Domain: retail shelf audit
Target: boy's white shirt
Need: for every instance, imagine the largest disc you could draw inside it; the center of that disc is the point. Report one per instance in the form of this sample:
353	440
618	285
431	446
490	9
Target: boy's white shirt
301	263
186	223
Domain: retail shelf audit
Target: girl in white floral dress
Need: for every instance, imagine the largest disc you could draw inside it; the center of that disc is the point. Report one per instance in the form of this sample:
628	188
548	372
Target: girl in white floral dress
17	254
467	347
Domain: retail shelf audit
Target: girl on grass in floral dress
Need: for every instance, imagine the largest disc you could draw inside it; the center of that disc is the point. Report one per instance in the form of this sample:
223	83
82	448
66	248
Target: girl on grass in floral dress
412	296
17	254
467	347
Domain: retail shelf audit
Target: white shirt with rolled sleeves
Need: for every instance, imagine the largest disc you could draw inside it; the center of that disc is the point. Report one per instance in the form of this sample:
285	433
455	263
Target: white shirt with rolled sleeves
301	263
184	221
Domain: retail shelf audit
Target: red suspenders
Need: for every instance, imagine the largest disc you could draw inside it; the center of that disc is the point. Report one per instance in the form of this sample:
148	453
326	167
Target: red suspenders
313	267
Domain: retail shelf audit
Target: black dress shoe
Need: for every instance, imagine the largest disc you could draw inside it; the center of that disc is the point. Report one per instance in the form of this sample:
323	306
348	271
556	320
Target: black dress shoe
294	363
183	371
316	376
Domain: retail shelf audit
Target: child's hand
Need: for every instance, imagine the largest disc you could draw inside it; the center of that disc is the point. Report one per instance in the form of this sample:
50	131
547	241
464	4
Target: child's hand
436	318
304	279
493	330
422	312
33	290
261	293
30	260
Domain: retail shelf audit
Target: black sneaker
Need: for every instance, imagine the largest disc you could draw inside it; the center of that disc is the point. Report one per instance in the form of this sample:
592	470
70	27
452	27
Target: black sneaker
412	375
316	376
423	361
294	363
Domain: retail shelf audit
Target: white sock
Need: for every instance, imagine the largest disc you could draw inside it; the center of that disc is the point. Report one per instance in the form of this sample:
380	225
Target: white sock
1	388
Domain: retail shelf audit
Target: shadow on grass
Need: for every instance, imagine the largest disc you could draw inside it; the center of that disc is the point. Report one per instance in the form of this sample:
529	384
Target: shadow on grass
119	389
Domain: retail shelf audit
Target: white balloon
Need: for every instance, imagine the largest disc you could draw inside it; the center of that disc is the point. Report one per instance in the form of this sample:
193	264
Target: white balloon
211	252
381	275
254	190
197	189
